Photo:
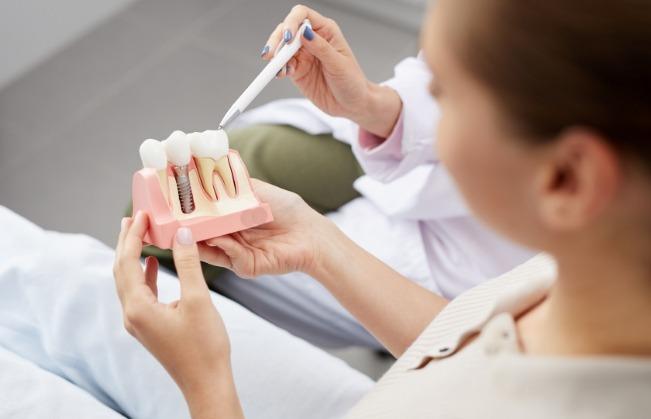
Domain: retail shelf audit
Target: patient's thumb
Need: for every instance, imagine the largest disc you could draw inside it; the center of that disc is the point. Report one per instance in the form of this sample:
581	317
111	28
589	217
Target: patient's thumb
188	264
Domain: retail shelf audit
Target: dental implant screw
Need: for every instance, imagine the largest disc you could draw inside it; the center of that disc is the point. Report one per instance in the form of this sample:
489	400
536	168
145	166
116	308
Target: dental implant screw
184	189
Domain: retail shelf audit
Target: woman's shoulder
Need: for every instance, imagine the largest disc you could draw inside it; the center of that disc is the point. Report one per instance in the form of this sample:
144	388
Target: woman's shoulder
509	291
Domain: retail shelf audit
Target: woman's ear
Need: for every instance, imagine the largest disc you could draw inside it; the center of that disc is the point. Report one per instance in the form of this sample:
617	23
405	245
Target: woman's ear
580	178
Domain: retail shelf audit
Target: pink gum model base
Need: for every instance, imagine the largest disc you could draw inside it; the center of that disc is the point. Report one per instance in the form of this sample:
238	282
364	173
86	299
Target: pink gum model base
148	197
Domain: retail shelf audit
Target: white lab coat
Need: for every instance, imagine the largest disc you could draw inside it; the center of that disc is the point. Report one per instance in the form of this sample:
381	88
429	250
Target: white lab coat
410	188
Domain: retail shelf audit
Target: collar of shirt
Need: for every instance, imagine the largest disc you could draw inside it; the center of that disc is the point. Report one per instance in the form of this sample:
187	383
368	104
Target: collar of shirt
496	330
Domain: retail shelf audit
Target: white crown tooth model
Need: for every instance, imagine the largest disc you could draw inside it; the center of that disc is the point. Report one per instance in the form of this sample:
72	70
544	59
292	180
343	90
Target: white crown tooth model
152	154
210	149
177	148
196	161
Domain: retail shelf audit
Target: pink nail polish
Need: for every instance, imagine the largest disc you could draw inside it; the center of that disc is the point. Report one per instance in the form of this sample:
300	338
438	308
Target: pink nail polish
184	236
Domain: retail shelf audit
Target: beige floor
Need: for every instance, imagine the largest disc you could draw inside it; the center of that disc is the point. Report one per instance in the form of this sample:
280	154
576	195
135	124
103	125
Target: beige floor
70	129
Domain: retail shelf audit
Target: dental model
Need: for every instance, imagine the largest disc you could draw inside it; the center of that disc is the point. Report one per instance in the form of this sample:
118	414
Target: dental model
152	154
178	152
210	149
195	181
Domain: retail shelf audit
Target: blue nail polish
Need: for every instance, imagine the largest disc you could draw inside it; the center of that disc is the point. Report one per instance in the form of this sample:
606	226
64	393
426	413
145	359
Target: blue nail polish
287	35
308	34
265	50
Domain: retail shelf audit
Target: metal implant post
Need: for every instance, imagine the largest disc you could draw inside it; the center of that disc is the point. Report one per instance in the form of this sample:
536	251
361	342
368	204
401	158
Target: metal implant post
184	188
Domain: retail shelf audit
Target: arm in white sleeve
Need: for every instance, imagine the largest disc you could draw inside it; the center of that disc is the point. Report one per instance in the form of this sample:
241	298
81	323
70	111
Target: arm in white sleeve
411	142
404	178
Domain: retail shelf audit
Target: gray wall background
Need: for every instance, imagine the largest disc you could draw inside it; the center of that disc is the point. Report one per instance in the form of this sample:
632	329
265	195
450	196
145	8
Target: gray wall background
33	30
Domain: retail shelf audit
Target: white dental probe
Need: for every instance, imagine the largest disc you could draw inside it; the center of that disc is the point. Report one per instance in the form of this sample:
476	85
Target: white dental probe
267	74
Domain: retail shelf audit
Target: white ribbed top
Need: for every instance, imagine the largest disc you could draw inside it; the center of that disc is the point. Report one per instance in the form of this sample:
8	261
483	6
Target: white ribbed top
491	378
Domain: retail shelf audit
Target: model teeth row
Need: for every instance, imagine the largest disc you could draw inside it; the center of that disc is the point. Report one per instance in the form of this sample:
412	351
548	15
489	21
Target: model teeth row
209	148
178	148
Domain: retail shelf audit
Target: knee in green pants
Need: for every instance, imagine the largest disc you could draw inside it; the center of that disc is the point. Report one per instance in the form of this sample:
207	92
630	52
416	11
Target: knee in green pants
319	168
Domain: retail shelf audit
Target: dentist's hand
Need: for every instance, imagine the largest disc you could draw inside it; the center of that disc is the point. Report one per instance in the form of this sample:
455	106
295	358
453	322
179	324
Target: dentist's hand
187	336
326	71
294	241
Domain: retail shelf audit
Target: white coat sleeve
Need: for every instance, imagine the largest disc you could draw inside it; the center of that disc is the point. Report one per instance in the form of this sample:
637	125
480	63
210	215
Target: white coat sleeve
414	131
405	178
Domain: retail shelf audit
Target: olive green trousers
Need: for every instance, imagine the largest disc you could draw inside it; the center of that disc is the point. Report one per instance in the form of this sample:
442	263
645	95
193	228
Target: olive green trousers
319	168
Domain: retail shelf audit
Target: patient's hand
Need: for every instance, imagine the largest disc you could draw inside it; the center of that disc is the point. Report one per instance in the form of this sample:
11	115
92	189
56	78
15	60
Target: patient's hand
187	336
292	242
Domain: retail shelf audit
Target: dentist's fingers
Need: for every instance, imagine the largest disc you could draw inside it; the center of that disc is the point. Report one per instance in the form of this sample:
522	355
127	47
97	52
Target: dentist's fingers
289	69
319	47
273	42
287	30
292	65
188	267
282	73
332	58
299	13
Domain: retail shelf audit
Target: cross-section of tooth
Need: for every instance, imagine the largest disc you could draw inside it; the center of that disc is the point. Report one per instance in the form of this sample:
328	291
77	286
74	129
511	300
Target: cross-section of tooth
223	166
152	154
210	149
204	157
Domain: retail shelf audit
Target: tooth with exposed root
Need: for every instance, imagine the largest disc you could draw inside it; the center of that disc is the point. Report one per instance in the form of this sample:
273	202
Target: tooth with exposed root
152	154
210	149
